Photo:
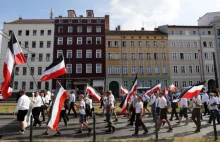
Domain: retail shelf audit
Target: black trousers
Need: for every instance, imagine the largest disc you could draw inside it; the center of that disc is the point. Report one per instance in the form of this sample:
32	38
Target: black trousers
174	113
216	116
196	118
139	123
132	116
36	113
72	108
102	104
42	113
206	108
63	115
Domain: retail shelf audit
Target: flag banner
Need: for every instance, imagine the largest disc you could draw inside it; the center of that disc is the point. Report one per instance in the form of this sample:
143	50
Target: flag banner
56	69
14	56
91	91
172	88
58	102
166	96
124	91
130	93
155	88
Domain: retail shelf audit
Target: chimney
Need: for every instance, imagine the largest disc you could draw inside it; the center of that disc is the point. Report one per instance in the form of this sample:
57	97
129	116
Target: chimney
51	13
107	23
142	28
71	13
118	27
156	29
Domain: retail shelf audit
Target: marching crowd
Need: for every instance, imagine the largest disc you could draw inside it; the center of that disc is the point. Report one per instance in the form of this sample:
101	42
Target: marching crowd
136	108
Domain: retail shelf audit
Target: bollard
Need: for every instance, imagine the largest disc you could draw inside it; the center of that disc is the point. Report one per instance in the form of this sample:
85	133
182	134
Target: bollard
214	124
31	129
156	126
94	129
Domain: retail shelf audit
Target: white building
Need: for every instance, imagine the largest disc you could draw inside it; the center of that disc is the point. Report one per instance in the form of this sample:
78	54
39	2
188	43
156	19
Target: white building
36	36
191	54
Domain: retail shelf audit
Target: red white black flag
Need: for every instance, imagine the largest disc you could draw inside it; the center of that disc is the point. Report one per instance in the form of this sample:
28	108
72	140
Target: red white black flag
14	56
58	103
130	93
155	88
56	69
124	91
91	91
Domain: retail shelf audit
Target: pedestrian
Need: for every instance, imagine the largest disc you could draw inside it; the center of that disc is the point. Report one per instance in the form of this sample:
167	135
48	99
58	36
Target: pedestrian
213	102
132	103
88	107
153	105
72	100
183	110
43	106
102	99
64	115
37	109
205	101
174	106
104	104
196	112
22	107
113	109
145	99
139	114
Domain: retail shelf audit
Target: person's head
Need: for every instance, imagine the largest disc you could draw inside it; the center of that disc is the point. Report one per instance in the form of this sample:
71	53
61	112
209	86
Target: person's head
211	95
71	91
215	95
81	97
203	90
157	95
139	98
160	95
134	93
22	92
37	93
52	98
108	93
89	96
196	96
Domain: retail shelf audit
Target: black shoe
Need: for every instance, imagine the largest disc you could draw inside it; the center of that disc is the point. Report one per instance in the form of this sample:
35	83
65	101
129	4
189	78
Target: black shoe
79	132
135	134
66	125
145	133
45	133
106	126
129	120
197	131
108	131
75	116
113	129
204	114
130	124
116	120
40	124
177	119
170	130
57	134
89	130
105	120
209	122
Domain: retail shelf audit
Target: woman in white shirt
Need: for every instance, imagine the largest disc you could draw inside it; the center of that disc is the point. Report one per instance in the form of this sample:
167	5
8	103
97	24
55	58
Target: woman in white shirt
213	102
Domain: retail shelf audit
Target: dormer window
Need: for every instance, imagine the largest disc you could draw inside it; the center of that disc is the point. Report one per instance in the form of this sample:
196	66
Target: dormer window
89	14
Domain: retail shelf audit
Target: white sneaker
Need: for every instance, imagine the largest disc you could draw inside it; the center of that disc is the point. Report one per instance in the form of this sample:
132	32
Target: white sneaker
20	133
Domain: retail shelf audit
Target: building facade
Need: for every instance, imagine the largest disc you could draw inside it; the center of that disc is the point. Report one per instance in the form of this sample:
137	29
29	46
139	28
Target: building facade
130	52
36	39
81	40
191	54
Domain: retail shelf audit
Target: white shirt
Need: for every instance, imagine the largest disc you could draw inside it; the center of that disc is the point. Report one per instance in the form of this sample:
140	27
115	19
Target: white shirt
212	101
42	102
82	110
49	94
72	97
145	98
157	102
23	103
113	97
205	98
89	102
162	102
152	99
111	101
47	99
198	101
37	101
138	107
133	100
183	103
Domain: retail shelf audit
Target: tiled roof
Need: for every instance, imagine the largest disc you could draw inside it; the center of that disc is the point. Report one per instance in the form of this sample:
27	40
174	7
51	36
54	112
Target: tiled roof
29	21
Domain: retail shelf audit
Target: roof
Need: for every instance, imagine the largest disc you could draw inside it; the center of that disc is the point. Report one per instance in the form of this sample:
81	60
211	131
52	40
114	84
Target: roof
207	14
31	21
139	32
187	26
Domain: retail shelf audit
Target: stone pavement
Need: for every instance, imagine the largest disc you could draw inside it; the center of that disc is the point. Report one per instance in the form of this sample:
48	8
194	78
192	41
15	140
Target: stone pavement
9	127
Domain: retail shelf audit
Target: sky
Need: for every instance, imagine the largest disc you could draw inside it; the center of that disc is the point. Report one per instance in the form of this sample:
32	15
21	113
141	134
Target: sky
130	14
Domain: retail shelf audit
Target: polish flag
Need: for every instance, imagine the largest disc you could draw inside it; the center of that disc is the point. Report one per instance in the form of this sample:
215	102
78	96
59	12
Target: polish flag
91	91
124	91
58	103
172	88
153	89
130	93
56	69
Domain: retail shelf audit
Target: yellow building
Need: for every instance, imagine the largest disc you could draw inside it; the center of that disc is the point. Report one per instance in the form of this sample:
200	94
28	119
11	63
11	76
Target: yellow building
130	52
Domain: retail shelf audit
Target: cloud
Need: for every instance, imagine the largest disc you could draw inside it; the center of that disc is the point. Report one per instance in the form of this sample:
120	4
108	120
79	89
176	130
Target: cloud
131	14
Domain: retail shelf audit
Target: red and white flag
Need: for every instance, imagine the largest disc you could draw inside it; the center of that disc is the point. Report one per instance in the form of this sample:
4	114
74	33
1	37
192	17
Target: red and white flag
153	89
14	56
56	69
124	91
130	93
92	92
58	103
172	88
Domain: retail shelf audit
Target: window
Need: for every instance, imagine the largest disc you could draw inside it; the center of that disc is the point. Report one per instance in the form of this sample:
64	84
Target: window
25	56
41	32
190	83
70	29
175	69
155	43
163	56
132	56
141	69
98	29
203	32
79	40
46	85
23	85
47	57
31	85
164	69
16	70
194	32
190	69
174	56
60	41
79	29
116	56
110	56
70	21
124	44
132	43
78	68
69	54
149	70
196	56
26	44
39	70
109	69
148	56
48	44
165	83
39	85
176	83
212	68
98	40
209	33
188	56
60	29
204	44
88	53
68	68
162	44
48	32
182	68
98	53
207	69
40	58
124	55
79	20
89	29
125	83
32	57
147	43
98	68
210	56
187	32
133	69
181	32
59	53
206	56
19	32
173	44
15	85
149	83
88	68
27	32
197	69
60	20
69	41
116	43
210	44
172	32
41	44
195	44
156	70
182	56
10	32
184	84
181	44
156	56
34	32
88	40
109	43
117	70
141	56
141	83
78	53
139	43
125	69
187	44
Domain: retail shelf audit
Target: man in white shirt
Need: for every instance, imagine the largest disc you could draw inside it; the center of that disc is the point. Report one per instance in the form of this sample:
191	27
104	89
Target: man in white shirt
213	108
145	99
49	94
72	100
113	109
22	109
36	109
152	105
133	102
197	103
205	101
183	110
